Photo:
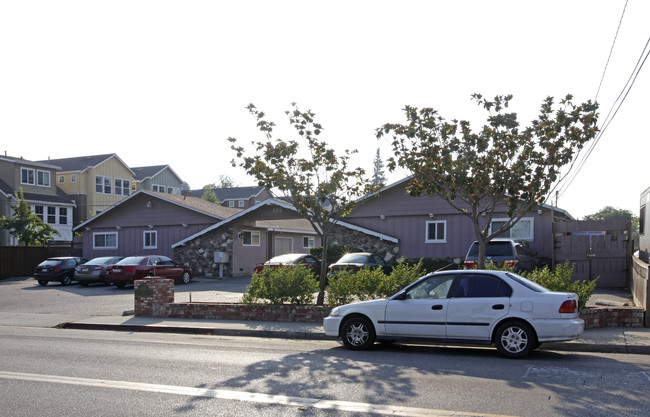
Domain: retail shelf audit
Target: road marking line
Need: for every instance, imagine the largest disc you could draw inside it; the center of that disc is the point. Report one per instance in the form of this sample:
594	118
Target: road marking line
244	396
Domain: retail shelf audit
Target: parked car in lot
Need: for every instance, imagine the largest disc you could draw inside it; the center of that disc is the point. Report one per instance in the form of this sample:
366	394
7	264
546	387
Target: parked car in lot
358	260
462	306
95	269
132	268
504	252
291	259
59	269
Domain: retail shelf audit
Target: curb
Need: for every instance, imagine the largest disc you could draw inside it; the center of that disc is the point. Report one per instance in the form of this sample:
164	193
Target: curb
272	334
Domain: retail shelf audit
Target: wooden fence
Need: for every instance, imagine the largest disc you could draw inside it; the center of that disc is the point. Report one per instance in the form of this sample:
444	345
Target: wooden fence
598	249
20	261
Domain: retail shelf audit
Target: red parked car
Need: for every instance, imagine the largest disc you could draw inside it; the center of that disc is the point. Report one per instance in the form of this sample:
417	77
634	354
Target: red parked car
137	267
291	259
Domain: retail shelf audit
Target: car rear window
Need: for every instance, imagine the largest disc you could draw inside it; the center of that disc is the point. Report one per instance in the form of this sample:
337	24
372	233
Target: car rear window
353	258
528	283
131	260
51	262
493	249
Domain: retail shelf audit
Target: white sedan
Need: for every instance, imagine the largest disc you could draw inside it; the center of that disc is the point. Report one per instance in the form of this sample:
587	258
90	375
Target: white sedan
468	307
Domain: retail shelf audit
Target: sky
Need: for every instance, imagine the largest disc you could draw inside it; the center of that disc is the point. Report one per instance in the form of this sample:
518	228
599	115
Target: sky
167	82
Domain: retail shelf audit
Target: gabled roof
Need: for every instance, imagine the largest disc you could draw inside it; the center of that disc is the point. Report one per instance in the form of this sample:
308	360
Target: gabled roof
233	193
218	212
82	163
406	179
143	173
284	205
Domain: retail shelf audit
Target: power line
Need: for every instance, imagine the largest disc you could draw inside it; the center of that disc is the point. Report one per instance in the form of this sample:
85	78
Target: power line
613	110
610	51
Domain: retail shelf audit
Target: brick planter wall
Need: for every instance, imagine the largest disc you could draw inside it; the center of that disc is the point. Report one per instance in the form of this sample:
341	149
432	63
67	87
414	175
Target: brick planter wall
612	317
154	297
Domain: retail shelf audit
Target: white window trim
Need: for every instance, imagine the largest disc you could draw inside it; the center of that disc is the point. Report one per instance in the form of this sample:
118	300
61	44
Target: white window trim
529	238
110	181
311	242
253	233
240	203
144	239
61	179
106	233
122	190
231	203
45	174
33	171
426	231
73	178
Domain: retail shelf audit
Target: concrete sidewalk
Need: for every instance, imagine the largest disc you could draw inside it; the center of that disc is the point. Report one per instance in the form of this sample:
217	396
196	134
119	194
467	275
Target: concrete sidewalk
606	339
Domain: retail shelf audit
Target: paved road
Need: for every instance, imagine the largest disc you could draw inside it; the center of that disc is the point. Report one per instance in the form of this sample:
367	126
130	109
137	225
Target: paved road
58	372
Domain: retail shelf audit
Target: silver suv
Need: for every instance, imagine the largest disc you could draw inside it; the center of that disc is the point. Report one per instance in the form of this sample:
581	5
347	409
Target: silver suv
504	252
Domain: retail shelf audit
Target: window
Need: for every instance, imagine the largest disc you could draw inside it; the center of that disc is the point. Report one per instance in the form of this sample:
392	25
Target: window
240	203
158	188
308	242
102	185
122	187
150	239
642	220
522	230
51	215
231	204
432	288
61	179
63	215
43	178
40	212
476	286
73	178
251	238
436	231
27	176
173	190
105	240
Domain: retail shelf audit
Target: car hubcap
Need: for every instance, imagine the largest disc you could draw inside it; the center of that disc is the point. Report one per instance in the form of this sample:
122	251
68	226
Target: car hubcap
357	334
514	339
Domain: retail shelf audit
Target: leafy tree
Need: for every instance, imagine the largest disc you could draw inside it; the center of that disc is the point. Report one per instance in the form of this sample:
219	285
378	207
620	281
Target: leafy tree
610	212
209	195
378	177
498	168
319	183
226	181
26	226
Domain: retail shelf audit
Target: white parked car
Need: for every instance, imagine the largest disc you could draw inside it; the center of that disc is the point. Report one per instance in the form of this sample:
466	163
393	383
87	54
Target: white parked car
468	307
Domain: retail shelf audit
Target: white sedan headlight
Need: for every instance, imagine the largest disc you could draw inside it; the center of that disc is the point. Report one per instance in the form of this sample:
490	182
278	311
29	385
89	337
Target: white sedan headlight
335	312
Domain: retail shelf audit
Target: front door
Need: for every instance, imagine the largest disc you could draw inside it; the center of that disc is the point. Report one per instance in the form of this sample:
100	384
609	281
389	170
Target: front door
423	312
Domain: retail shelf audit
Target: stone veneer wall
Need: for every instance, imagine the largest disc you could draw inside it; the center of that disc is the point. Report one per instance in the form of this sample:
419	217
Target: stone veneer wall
199	253
154	297
352	238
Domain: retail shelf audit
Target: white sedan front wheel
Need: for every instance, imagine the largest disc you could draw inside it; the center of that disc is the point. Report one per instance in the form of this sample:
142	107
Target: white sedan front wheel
358	333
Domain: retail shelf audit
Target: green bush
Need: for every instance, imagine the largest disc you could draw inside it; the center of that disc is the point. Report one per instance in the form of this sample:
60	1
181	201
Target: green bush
434	264
370	283
342	288
294	285
402	275
559	279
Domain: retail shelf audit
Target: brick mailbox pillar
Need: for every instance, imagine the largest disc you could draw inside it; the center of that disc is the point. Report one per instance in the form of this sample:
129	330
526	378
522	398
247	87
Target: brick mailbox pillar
152	295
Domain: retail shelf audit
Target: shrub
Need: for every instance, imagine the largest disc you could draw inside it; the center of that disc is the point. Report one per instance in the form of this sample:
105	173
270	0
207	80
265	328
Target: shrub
434	264
402	275
295	285
342	288
559	279
370	283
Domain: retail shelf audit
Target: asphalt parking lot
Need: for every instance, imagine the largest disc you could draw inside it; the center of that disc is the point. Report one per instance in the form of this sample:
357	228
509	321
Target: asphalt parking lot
24	295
